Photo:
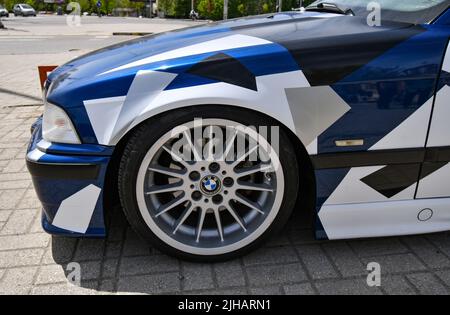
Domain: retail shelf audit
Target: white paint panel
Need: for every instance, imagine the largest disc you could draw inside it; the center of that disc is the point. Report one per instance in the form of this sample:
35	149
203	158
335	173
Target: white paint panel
446	66
103	115
43	145
270	98
391	218
75	213
411	133
313	148
314	110
435	185
35	155
146	86
353	190
224	43
440	123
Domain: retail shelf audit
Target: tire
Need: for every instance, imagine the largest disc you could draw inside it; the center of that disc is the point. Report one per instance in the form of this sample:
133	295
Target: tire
251	224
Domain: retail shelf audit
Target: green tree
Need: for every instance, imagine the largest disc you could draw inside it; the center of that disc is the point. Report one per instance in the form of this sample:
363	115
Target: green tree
211	9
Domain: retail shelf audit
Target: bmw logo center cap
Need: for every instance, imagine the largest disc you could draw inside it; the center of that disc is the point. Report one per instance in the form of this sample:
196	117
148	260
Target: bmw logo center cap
210	184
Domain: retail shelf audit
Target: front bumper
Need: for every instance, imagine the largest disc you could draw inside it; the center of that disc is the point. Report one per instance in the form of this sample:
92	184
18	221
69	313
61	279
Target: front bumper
69	181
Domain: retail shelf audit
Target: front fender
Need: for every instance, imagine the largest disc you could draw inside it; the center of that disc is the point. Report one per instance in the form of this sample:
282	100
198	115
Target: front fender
286	97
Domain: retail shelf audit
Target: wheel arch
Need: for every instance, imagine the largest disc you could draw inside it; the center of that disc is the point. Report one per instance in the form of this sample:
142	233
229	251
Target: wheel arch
307	189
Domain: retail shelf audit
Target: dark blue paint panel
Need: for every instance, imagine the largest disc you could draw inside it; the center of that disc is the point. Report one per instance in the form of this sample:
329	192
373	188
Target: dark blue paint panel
90	233
80	149
187	80
52	192
265	59
444	19
387	91
326	182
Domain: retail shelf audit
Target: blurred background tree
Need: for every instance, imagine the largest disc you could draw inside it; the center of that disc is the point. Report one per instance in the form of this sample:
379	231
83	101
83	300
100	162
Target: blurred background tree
213	9
208	9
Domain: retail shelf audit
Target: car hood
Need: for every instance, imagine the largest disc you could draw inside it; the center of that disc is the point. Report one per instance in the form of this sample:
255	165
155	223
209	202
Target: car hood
108	58
123	61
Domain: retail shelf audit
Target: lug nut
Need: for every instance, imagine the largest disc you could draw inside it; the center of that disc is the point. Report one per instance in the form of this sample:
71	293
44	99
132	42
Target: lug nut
214	167
217	199
228	182
196	195
194	176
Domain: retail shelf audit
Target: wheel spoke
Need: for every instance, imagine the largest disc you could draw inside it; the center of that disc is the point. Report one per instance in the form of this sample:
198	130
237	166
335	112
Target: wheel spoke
165	189
254	187
173	204
219	223
200	224
176	157
167	171
249	203
236	217
187	212
244	156
254	169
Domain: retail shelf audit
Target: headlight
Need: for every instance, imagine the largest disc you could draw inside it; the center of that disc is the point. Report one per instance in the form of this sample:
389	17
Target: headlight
57	126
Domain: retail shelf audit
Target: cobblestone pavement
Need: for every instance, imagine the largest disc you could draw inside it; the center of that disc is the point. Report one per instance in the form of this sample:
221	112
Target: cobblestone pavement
32	262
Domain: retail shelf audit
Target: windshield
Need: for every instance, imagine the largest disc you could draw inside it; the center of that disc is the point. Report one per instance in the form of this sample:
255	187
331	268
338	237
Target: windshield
26	6
410	11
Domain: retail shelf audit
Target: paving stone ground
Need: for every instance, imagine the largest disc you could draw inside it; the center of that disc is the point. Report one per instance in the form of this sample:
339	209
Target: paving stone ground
32	262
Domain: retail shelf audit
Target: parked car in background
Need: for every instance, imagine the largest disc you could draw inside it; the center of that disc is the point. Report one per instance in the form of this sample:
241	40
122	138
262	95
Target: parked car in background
3	12
24	10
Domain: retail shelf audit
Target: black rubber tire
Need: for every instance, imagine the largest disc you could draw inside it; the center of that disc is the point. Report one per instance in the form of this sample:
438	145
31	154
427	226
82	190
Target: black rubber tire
144	136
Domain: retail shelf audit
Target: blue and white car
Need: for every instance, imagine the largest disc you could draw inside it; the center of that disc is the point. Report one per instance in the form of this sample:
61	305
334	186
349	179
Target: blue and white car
350	116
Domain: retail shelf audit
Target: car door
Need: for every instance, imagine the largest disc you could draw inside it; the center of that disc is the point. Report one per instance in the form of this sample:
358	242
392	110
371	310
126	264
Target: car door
435	172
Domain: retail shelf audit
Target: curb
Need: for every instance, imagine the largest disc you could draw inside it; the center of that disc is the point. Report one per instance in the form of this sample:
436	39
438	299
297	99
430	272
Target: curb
131	33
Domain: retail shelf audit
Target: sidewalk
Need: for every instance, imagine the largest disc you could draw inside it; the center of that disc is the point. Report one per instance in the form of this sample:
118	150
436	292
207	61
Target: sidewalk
20	69
22	77
92	25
